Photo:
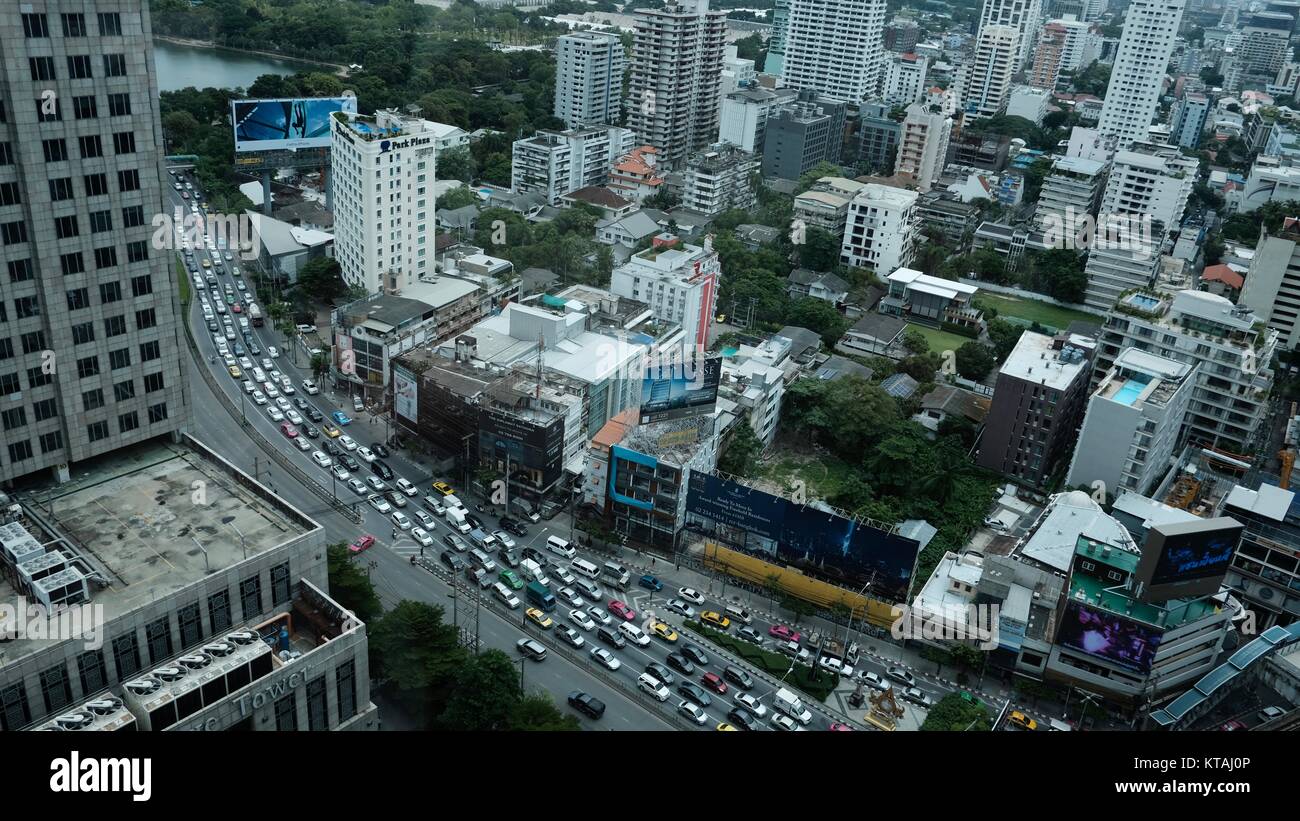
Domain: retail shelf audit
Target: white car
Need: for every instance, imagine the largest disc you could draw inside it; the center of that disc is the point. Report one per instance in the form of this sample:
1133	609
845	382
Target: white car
376	483
682	608
249	387
503	539
287	387
367	455
599	614
272	352
358	487
606	658
245	363
402	521
293	416
302	443
693	712
266	363
424	519
751	703
271	390
380	503
321	459
309	387
347	443
422	537
691	595
781	721
405	486
634	634
259	397
581	619
282	403
275	413
340	473
834	665
569	596
874	681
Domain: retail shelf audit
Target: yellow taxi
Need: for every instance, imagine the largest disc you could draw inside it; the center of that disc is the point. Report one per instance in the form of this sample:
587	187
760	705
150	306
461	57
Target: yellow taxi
1024	722
724	727
207	263
235	372
331	431
716	619
664	631
539	618
444	488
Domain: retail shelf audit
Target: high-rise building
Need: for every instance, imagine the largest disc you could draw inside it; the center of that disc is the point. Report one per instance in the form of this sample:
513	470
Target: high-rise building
1265	42
678	281
384	227
1190	114
589	69
802	134
836	47
878	135
1047	56
1070	196
555	163
1272	288
775	59
881	230
1132	423
1022	15
986	78
1038	400
745	113
90	352
1147	43
904	78
924	145
673	87
717	179
1064	45
901	36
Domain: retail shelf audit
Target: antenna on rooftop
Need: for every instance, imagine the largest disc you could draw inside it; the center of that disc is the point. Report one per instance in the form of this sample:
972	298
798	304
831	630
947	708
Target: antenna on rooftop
541	350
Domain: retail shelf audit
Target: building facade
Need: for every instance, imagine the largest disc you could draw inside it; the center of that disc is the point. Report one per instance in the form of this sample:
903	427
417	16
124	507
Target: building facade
986	81
589	68
835	47
1272	288
881	229
802	134
555	163
678	281
904	78
924	145
1147	43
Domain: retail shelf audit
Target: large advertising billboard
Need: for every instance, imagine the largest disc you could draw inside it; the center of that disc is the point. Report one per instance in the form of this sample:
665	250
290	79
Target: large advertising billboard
678	389
530	447
1123	641
818	542
404	393
286	124
1187	558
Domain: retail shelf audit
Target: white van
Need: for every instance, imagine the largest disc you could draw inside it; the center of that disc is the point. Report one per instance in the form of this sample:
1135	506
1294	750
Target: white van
560	547
652	686
506	596
456	518
788	703
533	572
738	613
451	502
634	634
617	575
585	568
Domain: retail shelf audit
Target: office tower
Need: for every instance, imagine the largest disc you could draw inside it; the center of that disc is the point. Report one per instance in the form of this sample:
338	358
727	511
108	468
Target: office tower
588	78
1038	399
878	135
775	59
1150	31
673	87
1022	15
901	36
1265	43
1047	56
1131	427
881	229
745	113
924	145
836	47
986	81
1272	287
384	226
90	334
1190	114
904	78
555	163
802	134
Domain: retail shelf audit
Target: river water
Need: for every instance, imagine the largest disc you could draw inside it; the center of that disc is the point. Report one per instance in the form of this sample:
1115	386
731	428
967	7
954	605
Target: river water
182	66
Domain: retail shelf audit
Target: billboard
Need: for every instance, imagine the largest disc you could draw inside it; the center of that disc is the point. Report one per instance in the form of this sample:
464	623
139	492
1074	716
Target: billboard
818	542
1105	635
678	389
531	447
404	393
1187	558
285	124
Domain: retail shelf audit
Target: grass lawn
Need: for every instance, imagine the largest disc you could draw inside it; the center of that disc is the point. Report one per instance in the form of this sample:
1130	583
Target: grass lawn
1031	310
822	474
940	341
183	277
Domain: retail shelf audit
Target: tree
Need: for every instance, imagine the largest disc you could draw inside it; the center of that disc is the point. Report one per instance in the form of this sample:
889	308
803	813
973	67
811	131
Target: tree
662	200
321	279
820	250
180	126
1004	336
953	713
537	713
857	413
819	316
810	177
349	586
485	690
320	363
742	449
920	367
975	360
915	341
418	654
456	198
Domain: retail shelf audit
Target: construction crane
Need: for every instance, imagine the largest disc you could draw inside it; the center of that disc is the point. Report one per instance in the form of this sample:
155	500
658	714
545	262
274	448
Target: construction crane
1287	455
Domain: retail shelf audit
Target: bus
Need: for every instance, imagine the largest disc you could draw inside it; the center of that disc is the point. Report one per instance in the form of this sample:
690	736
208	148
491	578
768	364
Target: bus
255	314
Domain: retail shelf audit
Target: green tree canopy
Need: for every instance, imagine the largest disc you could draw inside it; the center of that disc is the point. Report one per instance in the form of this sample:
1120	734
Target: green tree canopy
975	360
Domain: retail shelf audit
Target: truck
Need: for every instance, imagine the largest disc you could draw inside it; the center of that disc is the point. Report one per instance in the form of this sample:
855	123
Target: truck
255	314
790	704
539	595
533	572
456	519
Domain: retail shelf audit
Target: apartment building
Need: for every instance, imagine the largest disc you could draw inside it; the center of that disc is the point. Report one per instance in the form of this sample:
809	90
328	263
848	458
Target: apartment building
878	135
1141	62
678	281
1070	193
589	68
745	113
923	146
835	47
555	163
90	325
1272	287
1189	117
1024	16
801	134
904	78
718	179
881	229
986	83
953	219
826	204
1265	572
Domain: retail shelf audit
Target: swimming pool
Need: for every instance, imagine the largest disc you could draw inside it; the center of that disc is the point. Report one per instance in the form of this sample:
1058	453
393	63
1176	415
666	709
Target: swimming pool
1144	302
1130	391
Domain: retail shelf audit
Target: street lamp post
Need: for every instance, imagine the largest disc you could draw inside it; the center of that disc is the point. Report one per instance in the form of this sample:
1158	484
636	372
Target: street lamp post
242	543
206	568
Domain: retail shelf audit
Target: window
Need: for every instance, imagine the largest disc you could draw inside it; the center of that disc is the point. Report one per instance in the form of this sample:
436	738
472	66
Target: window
87	367
149	351
110	24
145	319
66	227
123	391
114	326
101	221
45	409
105	257
33	341
20	451
35	25
114	65
14	418
83	333
250	596
6	154
61	189
79	67
141	285
119	105
121	358
26	307
219	611
9	384
12	233
346	679
85	107
153	382
133	216
74	25
72	264
286	713
137	251
36	377
92	399
52	441
49	110
94	675
6	348
126	656
78	298
191	625
128	180
128	422
158	636
55	150
317	706
157	413
42	68
56	688
280	592
9	194
91	146
14	712
124	142
97	431
96	184
110	292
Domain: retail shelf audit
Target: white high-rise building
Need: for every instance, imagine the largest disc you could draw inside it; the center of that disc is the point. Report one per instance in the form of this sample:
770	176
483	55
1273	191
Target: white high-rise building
881	229
1150	32
382	178
555	163
673	85
923	145
588	78
1022	15
904	78
835	47
678	281
986	79
743	121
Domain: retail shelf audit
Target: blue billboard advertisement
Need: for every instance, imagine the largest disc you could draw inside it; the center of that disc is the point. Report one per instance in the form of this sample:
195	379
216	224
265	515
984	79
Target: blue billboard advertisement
287	124
1187	558
1123	641
818	542
676	390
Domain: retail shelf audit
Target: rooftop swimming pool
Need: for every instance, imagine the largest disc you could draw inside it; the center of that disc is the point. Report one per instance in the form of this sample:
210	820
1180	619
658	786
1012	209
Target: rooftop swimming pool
1129	391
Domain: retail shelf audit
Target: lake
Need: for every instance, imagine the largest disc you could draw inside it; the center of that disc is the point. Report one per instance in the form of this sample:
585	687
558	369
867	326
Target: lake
182	66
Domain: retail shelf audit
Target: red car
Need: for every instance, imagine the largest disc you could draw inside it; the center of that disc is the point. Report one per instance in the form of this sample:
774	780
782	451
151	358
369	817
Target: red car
618	608
1232	725
288	430
362	543
236	308
843	728
715	683
784	633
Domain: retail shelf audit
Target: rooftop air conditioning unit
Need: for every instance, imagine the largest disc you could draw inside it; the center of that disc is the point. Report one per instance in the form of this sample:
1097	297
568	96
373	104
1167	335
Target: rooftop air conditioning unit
196	661
75	721
242	637
219	649
104	706
168	674
143	686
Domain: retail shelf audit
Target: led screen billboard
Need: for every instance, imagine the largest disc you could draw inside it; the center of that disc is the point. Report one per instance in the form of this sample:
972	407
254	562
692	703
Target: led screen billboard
1187	558
1123	641
286	124
818	542
405	393
533	448
675	390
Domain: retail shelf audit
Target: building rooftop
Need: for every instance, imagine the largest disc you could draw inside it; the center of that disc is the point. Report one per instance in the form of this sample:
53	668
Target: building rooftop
1101	593
1037	358
1270	501
1138	377
1079	165
836	367
1053	538
931	284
